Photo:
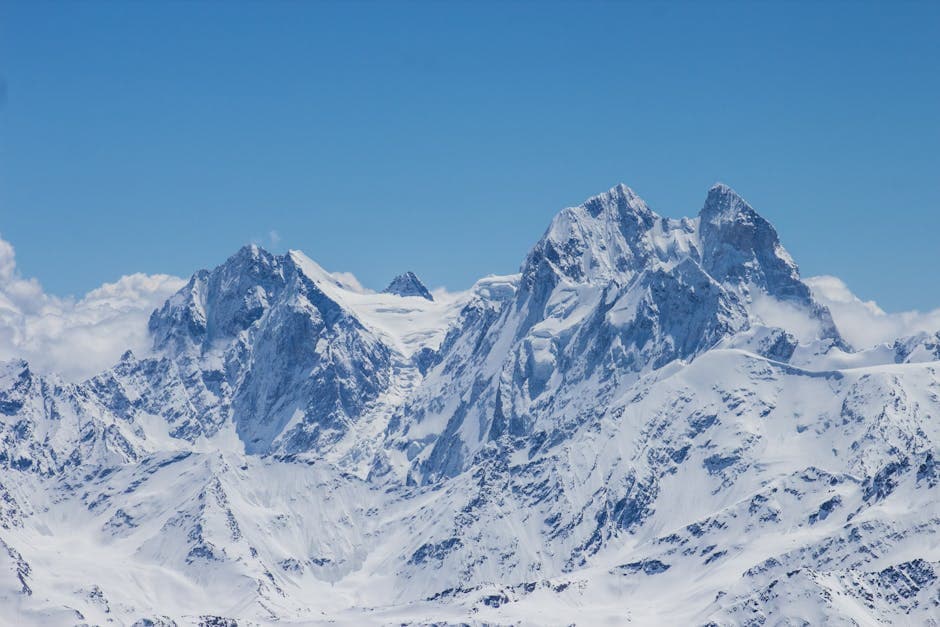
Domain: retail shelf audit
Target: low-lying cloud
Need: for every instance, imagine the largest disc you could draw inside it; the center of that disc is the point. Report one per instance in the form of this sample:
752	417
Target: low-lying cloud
864	323
76	338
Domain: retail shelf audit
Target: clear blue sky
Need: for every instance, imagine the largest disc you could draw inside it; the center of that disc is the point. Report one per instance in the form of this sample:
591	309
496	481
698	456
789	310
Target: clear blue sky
380	137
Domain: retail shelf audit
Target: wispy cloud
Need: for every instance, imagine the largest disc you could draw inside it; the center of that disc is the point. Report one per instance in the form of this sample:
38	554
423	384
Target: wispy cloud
76	337
864	323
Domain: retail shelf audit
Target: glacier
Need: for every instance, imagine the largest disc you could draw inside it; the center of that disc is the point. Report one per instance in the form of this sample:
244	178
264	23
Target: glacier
655	421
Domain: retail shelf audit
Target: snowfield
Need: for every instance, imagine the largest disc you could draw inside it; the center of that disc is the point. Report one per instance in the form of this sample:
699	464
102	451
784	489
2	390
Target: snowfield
655	422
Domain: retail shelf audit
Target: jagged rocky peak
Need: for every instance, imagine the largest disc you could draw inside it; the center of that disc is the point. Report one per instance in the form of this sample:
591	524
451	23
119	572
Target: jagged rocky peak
722	200
616	234
618	202
408	284
219	303
272	349
739	245
741	250
610	237
614	237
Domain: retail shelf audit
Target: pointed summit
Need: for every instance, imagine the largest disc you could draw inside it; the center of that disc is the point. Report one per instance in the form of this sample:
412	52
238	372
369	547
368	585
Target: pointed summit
740	246
408	284
617	201
722	201
603	238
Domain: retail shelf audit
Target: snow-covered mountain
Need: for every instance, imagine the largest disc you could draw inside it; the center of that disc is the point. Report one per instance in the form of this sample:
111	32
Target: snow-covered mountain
655	421
408	284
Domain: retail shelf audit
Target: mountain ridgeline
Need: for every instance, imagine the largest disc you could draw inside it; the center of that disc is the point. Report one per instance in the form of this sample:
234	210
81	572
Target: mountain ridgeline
648	402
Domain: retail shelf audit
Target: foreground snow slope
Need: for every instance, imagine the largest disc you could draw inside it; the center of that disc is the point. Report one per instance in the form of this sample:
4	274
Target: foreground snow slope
654	422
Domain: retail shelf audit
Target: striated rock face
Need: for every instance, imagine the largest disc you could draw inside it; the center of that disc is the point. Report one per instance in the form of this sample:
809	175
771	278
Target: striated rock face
654	421
289	367
741	250
254	344
408	284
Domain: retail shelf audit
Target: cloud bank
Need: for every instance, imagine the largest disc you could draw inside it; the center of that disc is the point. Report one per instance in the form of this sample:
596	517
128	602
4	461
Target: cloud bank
864	323
76	338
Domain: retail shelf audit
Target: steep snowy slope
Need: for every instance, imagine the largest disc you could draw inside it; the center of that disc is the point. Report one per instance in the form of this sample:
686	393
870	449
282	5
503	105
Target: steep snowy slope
654	422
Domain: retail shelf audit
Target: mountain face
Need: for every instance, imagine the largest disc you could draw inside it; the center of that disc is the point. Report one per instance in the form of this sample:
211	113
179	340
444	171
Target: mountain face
408	284
610	292
320	367
653	422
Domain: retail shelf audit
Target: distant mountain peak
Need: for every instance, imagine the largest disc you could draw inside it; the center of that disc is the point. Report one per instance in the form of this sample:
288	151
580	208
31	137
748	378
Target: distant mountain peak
408	284
616	201
722	200
250	251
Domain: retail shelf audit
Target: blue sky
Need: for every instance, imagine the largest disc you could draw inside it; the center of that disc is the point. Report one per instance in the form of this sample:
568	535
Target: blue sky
442	138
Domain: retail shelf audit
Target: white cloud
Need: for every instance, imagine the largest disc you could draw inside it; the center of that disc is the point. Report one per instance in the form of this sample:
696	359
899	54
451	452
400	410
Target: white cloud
7	260
778	313
76	337
864	323
275	238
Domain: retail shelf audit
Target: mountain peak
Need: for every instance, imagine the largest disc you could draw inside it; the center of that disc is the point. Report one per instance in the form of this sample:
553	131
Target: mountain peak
722	200
250	252
620	198
604	237
408	284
